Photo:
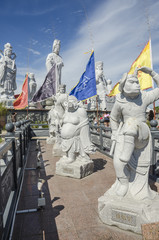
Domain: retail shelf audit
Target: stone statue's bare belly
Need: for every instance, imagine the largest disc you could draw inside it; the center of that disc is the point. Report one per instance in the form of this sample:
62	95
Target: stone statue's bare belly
70	127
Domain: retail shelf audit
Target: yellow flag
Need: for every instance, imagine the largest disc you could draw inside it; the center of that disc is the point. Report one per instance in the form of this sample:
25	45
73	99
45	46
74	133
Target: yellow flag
144	59
114	91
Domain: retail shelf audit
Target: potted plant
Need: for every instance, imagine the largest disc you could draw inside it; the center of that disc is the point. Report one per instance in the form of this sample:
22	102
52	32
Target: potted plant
3	113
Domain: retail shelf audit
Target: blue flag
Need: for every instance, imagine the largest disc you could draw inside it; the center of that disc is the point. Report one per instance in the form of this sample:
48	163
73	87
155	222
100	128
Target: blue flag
86	87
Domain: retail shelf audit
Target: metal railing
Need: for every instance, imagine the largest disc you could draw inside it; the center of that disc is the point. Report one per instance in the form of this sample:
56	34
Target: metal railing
101	137
12	163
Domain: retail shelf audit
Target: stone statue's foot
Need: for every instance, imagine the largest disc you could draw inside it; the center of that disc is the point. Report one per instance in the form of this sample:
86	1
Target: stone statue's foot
68	160
113	188
83	159
122	190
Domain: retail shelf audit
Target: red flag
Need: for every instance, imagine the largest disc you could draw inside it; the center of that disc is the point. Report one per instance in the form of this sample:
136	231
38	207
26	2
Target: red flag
22	101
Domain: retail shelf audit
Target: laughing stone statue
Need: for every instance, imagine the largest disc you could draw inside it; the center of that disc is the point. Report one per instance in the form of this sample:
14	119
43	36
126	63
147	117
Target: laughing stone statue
75	133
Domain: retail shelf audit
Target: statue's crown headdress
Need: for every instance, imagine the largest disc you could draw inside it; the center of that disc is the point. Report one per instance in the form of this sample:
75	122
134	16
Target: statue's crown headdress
7	46
56	42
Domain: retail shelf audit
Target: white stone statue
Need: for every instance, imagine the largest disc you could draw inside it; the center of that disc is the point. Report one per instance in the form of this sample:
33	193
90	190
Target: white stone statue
7	73
75	142
32	85
132	155
103	88
75	133
55	58
32	89
133	142
56	113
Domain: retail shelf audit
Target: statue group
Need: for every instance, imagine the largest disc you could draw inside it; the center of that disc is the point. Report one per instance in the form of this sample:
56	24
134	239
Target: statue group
8	71
69	134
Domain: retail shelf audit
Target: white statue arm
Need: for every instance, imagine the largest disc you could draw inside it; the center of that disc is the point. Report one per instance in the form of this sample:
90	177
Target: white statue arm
152	95
115	118
84	132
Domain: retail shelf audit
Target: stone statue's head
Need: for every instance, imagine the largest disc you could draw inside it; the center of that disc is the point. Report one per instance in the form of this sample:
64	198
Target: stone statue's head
7	49
31	76
99	69
72	103
129	85
56	46
109	82
62	88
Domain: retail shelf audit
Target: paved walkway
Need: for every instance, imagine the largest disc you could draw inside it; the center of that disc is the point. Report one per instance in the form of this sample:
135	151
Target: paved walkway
71	211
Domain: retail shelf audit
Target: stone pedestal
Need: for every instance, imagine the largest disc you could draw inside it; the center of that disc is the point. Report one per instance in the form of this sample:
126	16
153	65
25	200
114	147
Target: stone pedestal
127	213
78	169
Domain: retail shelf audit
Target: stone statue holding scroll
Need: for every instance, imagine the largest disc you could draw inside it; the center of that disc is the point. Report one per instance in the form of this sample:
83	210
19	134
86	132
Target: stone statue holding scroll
55	58
7	73
132	155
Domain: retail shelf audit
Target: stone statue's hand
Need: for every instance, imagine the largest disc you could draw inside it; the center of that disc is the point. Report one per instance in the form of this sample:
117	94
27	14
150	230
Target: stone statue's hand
146	70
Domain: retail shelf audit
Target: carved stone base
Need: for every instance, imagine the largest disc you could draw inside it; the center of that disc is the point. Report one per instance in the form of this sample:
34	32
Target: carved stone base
78	169
50	140
127	213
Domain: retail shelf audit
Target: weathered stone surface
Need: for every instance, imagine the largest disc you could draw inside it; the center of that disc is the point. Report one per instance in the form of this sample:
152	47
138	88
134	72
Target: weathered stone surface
126	213
130	202
78	169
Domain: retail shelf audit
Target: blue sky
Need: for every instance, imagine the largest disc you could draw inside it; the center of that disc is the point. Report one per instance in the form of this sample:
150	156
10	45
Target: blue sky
116	29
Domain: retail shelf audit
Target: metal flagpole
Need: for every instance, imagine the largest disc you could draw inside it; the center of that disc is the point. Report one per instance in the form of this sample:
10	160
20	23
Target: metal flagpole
28	80
149	31
92	43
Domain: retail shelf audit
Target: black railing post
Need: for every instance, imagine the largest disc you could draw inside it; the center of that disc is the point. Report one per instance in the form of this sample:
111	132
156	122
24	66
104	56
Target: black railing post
19	132
101	138
155	135
10	135
14	164
23	136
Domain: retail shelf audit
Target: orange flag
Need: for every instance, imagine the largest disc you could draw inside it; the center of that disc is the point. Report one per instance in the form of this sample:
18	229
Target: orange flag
22	101
144	59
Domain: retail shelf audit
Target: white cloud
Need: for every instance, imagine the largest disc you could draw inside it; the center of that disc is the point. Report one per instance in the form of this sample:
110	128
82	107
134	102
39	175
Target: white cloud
34	51
118	28
119	32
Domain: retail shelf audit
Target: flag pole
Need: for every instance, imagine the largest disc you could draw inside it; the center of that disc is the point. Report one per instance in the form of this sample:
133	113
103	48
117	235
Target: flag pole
97	110
149	31
28	81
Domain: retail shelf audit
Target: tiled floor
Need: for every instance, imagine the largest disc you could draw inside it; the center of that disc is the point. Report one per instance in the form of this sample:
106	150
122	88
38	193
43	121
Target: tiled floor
71	204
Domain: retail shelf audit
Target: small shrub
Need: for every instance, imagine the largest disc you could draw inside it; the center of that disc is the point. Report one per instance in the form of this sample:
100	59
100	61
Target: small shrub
3	110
